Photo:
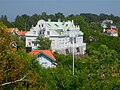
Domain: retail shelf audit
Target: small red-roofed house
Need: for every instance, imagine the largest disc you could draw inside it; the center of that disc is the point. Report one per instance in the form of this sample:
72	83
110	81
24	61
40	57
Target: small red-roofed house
13	30
44	57
112	32
21	34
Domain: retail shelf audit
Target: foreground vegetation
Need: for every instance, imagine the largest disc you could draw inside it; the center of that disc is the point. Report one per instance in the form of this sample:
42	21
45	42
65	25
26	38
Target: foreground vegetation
98	70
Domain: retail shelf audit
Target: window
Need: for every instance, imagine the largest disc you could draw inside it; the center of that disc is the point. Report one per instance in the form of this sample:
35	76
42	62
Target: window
71	40
29	43
75	40
67	51
56	25
44	64
78	50
40	32
34	32
42	25
29	39
43	32
34	43
39	25
49	24
48	33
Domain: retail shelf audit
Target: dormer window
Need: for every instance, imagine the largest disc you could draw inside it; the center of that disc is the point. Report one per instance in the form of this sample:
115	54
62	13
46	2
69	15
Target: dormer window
49	24
42	25
56	25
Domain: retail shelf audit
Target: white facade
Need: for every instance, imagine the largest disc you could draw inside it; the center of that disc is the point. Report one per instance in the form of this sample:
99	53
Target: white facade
60	33
45	62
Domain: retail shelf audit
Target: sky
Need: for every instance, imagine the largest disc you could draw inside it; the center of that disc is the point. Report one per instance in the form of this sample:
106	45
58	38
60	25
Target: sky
12	8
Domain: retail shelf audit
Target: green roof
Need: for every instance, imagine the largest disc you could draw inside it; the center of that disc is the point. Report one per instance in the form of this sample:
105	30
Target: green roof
58	27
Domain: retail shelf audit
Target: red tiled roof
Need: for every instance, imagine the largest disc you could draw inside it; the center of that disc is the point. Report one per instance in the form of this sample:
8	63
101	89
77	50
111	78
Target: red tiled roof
11	29
111	31
46	52
21	32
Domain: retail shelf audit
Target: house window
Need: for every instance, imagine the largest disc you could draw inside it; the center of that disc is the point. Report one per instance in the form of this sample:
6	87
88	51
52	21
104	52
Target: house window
78	50
49	24
29	43
39	25
43	32
75	40
67	51
56	25
42	25
34	32
48	33
40	32
71	40
44	64
34	43
29	39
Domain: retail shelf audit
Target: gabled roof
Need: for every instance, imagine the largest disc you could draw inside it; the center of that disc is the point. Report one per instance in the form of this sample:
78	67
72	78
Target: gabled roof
45	52
21	32
11	29
111	31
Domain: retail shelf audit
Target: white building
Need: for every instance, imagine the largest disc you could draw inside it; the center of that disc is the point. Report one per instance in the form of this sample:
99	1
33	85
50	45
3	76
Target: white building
60	33
44	57
111	30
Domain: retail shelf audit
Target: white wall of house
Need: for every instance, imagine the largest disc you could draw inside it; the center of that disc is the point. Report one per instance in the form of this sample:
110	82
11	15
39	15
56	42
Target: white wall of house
114	34
30	42
45	62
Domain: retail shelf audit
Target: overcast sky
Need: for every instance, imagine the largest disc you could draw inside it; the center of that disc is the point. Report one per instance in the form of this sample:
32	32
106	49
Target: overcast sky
12	8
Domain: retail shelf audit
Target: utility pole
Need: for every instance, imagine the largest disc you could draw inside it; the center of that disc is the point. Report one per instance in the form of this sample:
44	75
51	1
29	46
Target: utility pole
25	26
72	38
73	54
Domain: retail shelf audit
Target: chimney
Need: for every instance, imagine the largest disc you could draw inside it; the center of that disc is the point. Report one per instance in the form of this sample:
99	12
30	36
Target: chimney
49	20
59	20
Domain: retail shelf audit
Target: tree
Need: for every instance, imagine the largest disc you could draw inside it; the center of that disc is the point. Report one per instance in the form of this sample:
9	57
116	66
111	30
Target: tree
17	69
34	19
23	22
90	17
5	21
43	43
44	16
59	16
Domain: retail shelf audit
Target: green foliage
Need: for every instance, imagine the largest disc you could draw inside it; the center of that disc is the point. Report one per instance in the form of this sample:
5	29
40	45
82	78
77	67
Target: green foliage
14	65
5	21
98	70
22	22
90	17
43	43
